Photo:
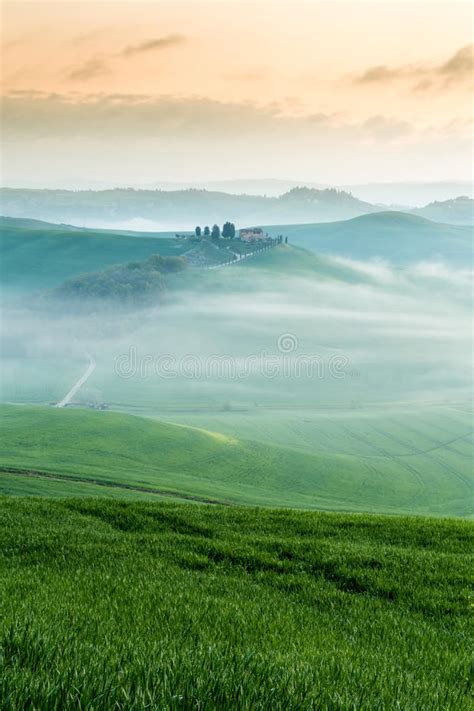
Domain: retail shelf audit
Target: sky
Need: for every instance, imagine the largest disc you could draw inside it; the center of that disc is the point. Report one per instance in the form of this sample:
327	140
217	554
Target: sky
331	92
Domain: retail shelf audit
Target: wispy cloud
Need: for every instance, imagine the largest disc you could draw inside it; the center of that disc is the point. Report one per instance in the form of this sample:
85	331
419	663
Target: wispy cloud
457	68
460	65
89	70
382	73
128	114
140	134
154	44
96	66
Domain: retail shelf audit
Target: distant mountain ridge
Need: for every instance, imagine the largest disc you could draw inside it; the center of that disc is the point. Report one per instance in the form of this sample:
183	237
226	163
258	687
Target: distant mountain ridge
159	210
406	195
181	209
459	211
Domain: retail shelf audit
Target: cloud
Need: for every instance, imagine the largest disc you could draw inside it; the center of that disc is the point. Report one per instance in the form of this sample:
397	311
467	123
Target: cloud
155	44
381	127
96	67
124	114
380	73
90	70
192	117
320	118
458	67
423	85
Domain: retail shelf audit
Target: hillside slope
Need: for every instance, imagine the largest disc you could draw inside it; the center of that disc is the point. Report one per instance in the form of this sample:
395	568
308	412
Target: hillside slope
36	255
396	236
123	451
40	256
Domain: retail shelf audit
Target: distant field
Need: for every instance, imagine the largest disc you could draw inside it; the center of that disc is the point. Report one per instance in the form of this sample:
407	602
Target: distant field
140	455
106	604
375	432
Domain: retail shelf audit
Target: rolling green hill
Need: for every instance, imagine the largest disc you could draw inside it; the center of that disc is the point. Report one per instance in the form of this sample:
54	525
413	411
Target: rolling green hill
397	236
36	255
33	257
107	604
269	269
290	260
136	454
40	255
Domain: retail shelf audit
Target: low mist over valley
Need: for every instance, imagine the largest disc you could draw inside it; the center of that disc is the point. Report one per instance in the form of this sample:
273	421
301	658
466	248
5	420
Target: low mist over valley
355	346
369	324
236	417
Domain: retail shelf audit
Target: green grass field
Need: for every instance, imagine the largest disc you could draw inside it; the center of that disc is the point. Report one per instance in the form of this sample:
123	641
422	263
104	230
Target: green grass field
107	604
33	258
210	542
144	456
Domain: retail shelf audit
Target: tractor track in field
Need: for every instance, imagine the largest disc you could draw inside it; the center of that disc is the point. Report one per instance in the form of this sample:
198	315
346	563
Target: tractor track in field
33	473
417	453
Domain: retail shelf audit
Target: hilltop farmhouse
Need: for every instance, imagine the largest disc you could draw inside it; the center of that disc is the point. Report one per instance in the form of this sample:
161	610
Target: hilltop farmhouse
252	234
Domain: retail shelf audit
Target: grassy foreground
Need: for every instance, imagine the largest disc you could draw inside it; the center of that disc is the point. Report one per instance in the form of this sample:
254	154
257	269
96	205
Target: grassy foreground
130	605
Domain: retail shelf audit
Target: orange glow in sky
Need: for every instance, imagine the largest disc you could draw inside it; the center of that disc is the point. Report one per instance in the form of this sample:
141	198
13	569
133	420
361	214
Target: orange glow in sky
393	71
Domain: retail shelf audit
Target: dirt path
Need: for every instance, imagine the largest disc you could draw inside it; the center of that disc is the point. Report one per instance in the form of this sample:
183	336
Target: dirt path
77	386
239	258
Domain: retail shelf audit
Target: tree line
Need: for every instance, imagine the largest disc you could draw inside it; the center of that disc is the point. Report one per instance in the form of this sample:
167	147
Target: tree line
228	231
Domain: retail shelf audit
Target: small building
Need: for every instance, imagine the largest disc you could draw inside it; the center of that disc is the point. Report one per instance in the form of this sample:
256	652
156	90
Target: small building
252	234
